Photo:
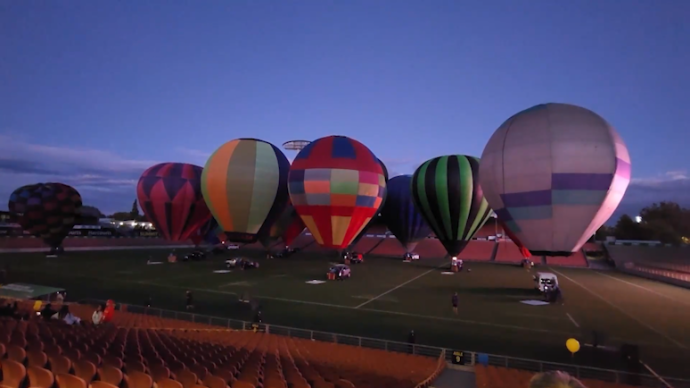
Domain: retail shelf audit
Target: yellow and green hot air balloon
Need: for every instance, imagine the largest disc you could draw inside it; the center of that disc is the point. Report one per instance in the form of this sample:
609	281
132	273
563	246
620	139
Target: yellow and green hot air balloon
244	184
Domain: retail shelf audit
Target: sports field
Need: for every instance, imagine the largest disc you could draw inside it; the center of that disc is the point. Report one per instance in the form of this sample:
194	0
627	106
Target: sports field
386	298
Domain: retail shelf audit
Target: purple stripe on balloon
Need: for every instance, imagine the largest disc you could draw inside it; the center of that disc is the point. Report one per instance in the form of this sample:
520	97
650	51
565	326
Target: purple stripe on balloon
527	198
576	181
623	169
503	214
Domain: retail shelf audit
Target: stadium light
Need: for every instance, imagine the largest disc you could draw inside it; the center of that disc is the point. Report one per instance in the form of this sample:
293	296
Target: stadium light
295	145
638	219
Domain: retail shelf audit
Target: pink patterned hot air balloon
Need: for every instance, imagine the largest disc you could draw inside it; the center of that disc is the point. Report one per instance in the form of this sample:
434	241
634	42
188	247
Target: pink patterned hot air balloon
554	174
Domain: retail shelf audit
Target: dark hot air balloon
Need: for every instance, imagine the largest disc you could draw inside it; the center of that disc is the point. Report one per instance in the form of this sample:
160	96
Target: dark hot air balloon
287	227
446	191
208	233
46	210
400	214
337	185
245	185
554	173
170	196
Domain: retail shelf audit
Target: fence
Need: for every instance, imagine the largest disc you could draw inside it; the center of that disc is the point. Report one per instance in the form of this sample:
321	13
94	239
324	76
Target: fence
467	358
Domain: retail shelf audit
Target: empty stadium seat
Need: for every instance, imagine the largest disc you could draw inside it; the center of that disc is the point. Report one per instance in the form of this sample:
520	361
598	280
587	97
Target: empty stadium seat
139	350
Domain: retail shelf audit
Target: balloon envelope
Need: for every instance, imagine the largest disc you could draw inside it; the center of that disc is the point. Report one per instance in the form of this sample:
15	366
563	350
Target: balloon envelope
288	226
523	250
378	211
446	192
245	186
554	174
46	210
170	196
400	214
336	185
208	233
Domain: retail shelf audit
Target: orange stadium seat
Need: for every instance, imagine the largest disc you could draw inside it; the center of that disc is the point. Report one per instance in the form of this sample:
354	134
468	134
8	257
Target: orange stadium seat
138	350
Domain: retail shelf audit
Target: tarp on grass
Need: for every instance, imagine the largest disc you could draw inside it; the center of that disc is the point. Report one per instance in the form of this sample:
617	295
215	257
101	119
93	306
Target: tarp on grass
26	291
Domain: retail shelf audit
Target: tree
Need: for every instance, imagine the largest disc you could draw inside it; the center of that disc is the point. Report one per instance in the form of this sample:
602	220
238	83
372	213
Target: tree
90	215
627	229
121	216
603	232
667	222
134	213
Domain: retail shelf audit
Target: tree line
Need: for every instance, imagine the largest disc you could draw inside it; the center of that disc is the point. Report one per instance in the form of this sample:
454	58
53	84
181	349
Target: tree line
667	222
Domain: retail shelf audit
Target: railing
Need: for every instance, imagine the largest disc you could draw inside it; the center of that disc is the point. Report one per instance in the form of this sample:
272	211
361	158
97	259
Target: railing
467	358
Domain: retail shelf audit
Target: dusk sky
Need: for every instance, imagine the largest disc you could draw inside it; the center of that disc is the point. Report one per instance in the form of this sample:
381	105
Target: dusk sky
94	92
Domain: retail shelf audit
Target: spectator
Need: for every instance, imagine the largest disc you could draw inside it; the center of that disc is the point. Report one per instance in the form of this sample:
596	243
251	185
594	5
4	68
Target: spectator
97	316
189	300
65	315
47	313
455	303
411	338
555	379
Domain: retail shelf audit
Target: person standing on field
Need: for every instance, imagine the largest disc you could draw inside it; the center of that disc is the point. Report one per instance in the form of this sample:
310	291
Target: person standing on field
455	303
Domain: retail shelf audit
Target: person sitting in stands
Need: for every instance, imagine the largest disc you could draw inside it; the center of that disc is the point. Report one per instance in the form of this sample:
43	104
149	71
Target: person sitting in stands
47	313
66	316
555	379
97	316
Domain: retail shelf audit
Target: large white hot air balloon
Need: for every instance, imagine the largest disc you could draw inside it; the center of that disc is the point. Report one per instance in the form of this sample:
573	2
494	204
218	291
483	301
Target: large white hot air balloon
554	173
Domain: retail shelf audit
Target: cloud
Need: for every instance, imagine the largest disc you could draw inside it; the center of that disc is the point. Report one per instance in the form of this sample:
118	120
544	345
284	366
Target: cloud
671	186
103	178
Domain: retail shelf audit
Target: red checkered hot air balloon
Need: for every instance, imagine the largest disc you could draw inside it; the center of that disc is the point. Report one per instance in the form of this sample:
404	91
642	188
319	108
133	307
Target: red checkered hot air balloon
336	185
170	196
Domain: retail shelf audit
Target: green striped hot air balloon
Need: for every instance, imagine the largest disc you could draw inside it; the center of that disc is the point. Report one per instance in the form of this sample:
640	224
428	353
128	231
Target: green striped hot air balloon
446	191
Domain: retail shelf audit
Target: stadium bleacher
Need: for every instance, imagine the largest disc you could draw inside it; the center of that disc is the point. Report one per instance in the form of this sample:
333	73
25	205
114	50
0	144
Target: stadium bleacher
508	252
656	262
478	251
139	351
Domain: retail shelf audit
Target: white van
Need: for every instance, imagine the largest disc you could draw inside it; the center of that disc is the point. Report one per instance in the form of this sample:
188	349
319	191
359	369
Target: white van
545	279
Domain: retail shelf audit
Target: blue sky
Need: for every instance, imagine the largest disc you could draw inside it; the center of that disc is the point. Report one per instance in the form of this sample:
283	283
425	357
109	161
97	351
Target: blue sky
92	93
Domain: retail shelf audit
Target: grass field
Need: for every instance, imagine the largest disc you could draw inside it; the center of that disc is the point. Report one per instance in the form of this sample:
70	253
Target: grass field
386	298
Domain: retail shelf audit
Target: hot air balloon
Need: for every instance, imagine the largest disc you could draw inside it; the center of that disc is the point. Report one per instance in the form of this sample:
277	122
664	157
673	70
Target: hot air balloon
46	210
170	196
554	174
446	192
378	211
288	226
206	233
336	185
523	250
245	185
400	214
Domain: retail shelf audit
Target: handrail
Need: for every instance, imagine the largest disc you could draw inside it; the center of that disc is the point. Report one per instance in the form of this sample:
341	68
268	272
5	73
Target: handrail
440	366
469	357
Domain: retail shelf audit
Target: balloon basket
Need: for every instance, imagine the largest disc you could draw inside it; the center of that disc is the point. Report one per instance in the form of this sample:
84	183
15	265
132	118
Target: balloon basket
347	261
454	268
330	276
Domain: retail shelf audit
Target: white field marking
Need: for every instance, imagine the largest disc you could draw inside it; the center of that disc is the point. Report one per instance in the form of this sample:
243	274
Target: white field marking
572	320
680	345
398	286
240	283
425	317
685	302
